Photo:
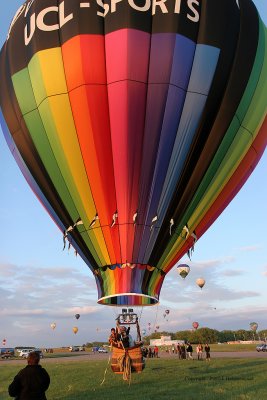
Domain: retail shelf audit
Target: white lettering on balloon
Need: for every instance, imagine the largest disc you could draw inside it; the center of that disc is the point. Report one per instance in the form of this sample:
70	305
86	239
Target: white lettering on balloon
156	6
39	21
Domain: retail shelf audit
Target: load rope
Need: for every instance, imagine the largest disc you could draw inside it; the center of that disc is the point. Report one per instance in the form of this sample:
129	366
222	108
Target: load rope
125	364
106	370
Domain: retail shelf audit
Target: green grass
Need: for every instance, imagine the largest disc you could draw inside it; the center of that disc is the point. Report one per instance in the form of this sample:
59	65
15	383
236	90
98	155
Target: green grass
170	379
233	347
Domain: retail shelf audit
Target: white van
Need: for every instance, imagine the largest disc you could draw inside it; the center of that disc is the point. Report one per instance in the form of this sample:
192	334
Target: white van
25	352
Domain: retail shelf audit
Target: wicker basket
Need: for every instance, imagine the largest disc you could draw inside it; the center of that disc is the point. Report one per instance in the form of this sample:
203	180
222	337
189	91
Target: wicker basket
136	357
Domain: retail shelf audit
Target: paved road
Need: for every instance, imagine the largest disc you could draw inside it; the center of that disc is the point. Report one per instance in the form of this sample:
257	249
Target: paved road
91	356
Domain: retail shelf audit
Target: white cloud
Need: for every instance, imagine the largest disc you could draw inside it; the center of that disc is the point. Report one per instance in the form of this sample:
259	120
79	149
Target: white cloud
251	248
232	272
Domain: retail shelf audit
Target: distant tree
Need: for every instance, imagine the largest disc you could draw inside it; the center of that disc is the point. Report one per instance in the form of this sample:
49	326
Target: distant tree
261	335
226	336
243	334
182	335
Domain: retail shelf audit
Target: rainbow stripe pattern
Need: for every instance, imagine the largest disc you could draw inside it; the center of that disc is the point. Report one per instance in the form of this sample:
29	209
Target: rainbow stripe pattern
135	127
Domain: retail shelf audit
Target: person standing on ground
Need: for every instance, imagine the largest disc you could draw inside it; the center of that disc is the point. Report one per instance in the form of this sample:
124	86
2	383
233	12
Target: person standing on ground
207	350
183	351
199	351
189	351
31	382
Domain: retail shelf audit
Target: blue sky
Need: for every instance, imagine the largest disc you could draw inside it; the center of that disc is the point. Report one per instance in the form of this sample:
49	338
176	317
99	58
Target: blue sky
40	284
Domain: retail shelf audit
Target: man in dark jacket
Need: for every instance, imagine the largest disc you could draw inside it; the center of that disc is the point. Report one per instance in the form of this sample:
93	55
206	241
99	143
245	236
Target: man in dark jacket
31	382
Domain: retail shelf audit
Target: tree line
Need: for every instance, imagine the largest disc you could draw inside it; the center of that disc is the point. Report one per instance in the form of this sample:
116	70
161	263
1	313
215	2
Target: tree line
201	335
208	335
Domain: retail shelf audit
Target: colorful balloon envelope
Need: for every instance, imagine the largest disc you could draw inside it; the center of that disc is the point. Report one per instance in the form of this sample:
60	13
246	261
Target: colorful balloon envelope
195	325
75	329
183	270
135	124
53	325
200	282
253	326
77	316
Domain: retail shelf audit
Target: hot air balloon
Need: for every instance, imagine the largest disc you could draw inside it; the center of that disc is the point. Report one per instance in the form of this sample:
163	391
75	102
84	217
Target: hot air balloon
200	282
253	326
75	329
77	316
53	325
195	325
135	126
143	332
4	342
183	270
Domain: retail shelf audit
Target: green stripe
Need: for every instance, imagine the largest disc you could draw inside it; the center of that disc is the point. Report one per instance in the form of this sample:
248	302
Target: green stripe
44	135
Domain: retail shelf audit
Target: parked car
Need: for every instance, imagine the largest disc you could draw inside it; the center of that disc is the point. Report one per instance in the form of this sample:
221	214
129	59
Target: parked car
25	352
102	350
74	348
261	347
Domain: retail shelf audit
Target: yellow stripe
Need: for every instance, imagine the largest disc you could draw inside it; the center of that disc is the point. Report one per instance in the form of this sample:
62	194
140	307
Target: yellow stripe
48	81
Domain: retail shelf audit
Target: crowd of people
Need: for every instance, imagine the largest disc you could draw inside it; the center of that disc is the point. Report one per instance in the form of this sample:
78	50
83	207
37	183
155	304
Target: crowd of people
184	351
150	352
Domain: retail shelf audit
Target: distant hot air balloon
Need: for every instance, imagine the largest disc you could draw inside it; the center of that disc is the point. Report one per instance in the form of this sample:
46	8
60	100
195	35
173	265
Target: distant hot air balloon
200	282
183	270
77	316
167	312
53	325
4	342
157	327
75	329
143	332
195	325
253	326
135	125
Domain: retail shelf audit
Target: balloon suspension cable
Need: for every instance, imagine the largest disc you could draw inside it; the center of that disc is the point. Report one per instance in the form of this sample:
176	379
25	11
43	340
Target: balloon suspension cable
116	315
140	315
156	317
104	378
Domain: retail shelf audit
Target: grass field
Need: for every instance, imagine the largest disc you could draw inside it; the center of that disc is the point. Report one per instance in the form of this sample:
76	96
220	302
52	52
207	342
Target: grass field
170	379
233	347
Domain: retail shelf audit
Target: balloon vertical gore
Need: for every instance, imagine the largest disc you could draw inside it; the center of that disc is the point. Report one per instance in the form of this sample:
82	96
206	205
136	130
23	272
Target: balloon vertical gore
135	124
